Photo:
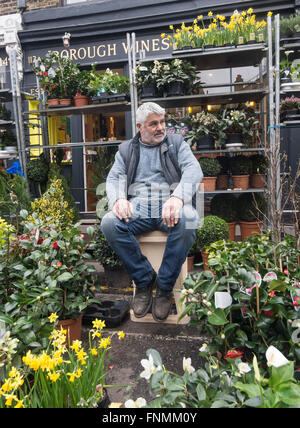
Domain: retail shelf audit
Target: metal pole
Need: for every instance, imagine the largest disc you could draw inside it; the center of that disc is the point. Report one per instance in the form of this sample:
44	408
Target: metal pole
131	84
16	96
270	118
277	109
133	78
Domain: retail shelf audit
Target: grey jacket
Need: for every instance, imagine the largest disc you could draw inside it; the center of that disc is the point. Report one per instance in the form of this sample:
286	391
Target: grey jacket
179	168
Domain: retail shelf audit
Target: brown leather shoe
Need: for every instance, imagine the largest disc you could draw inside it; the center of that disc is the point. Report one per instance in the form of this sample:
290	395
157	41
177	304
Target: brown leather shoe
142	299
162	304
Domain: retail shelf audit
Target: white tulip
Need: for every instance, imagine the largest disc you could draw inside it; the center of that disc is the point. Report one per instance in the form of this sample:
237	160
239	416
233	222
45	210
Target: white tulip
137	404
244	368
187	365
275	358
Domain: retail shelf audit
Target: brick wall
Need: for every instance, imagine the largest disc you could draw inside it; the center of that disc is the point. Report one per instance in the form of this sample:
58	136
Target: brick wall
10	6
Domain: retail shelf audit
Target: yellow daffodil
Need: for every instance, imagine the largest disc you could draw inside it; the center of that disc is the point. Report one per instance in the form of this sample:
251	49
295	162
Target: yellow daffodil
53	317
163	35
121	334
72	377
171	27
270	13
98	324
200	17
210	14
104	343
76	345
249	11
19	404
54	376
94	351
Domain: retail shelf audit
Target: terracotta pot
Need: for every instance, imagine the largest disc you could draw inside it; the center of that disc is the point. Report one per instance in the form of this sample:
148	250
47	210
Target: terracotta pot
190	263
209	183
65	101
222	182
205	260
81	100
257	181
53	102
249	228
231	229
73	328
240	182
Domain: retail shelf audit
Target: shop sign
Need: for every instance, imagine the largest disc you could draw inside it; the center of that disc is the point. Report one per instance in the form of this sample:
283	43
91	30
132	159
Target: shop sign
105	51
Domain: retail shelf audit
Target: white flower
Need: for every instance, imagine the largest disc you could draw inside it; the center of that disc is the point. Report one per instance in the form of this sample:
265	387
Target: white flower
203	348
187	365
244	368
138	403
275	358
149	367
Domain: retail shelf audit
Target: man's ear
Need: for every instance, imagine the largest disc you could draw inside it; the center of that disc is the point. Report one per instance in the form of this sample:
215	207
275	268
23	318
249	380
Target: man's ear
139	126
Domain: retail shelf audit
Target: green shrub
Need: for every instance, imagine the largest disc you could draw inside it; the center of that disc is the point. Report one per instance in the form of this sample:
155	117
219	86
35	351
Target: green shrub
225	206
240	165
251	207
212	229
224	162
259	164
37	170
210	167
103	252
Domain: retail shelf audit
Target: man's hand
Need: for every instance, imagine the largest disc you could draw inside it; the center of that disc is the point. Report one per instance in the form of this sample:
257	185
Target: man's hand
123	209
171	210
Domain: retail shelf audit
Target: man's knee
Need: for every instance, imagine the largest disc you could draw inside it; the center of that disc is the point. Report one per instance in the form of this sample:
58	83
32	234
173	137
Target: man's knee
108	224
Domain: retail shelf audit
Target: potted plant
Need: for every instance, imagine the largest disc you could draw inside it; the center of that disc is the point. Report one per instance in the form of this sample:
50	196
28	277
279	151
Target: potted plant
37	171
82	95
210	168
205	131
289	107
251	210
146	77
212	229
259	165
225	207
115	274
290	26
240	127
108	86
223	178
8	140
240	166
178	77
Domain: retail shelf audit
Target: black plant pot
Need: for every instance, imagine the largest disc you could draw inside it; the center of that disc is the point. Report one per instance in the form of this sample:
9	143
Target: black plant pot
296	35
209	46
234	138
175	89
228	45
149	91
206	143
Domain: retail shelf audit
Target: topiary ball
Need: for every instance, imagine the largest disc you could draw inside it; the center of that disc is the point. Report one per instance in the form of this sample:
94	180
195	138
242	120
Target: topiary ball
212	229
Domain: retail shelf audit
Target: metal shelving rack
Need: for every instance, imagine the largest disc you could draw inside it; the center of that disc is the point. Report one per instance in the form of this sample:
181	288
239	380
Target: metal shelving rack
223	58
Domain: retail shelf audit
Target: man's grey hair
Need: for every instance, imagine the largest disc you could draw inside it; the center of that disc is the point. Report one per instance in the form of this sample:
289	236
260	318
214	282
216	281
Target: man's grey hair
146	109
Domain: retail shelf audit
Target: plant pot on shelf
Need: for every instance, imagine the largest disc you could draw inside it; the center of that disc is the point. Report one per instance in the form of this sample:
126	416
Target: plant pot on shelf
257	181
73	327
204	256
81	100
249	228
149	91
53	102
209	184
231	230
240	182
234	138
175	89
206	143
65	101
222	182
190	263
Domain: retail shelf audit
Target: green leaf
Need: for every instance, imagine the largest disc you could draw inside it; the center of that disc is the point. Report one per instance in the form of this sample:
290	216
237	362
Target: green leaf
250	389
278	285
217	318
219	404
155	355
289	393
201	394
66	276
282	374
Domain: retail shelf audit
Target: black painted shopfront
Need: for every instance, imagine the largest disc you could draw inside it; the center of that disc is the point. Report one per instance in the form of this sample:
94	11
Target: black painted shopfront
98	36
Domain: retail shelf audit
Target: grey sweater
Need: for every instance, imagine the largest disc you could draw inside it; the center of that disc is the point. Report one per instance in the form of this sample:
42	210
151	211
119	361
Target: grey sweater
150	189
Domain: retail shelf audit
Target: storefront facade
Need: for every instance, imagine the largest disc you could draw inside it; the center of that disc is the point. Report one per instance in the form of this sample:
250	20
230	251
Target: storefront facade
98	36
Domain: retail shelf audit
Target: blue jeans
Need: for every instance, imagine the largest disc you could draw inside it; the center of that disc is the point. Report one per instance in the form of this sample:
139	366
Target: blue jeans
121	237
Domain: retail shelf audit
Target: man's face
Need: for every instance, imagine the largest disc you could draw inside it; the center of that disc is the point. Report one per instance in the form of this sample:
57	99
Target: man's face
153	130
